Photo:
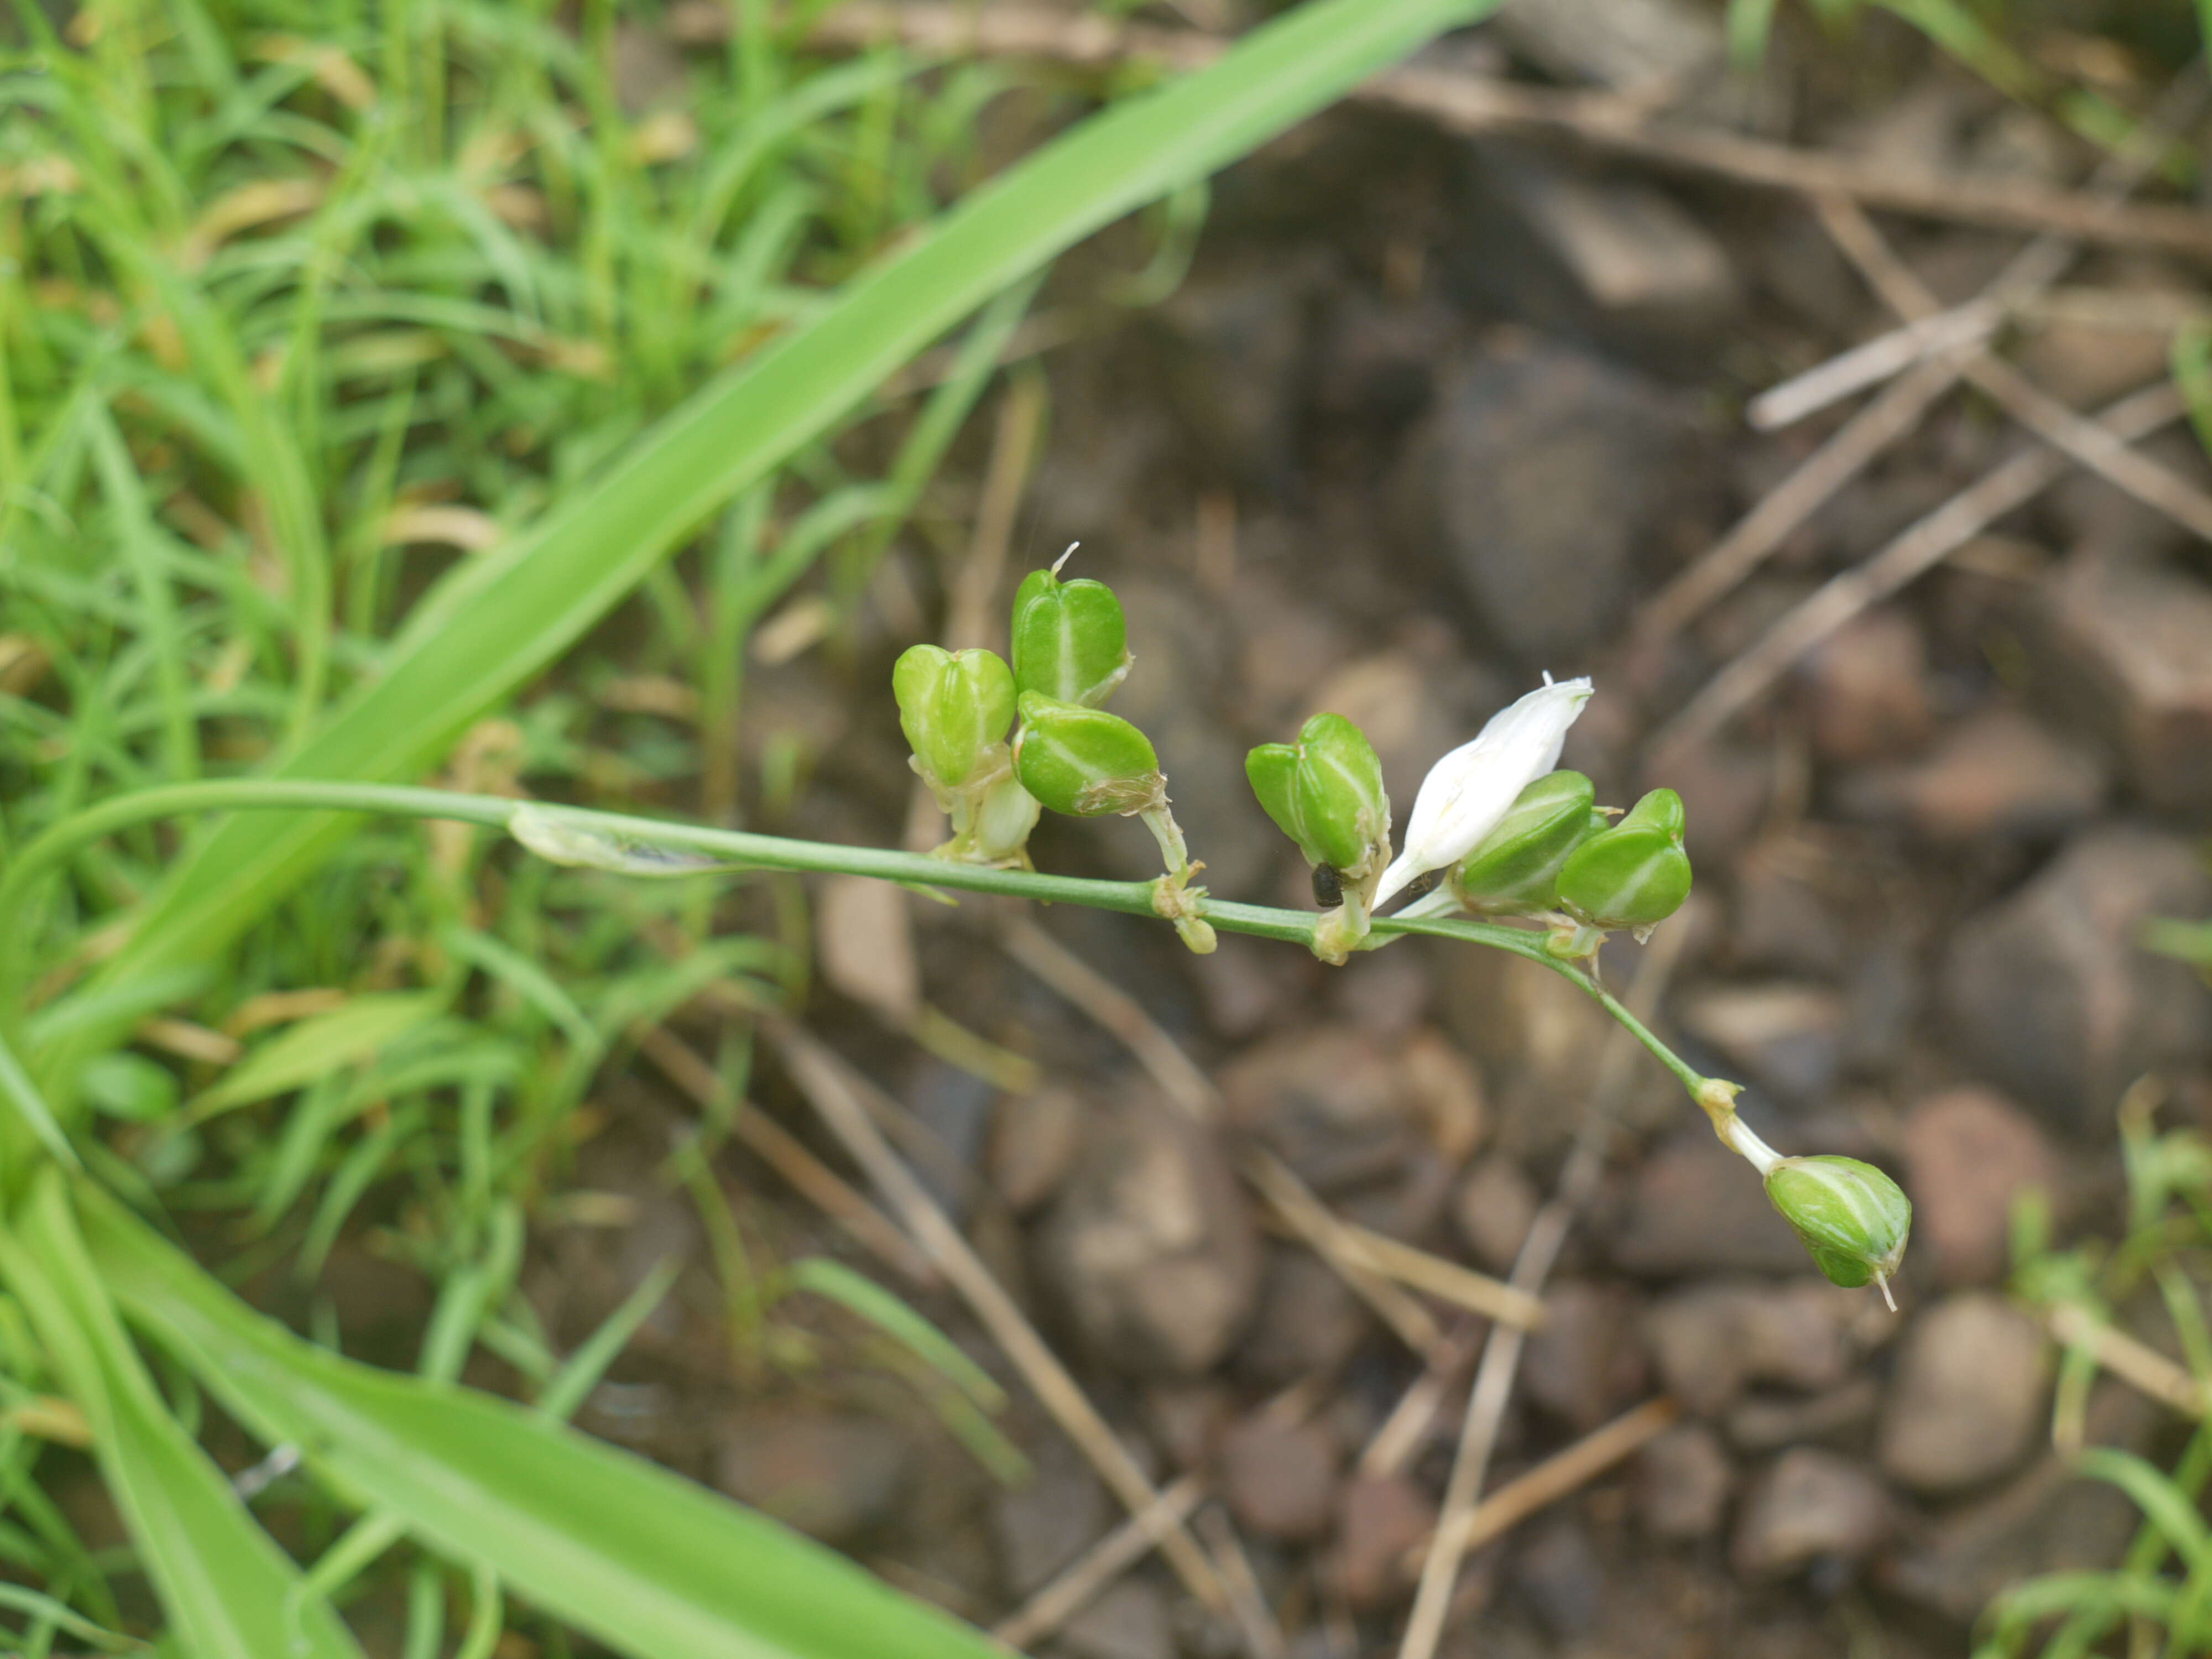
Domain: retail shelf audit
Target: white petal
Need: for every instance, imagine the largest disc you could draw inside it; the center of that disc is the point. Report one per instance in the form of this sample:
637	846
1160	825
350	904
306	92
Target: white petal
1470	789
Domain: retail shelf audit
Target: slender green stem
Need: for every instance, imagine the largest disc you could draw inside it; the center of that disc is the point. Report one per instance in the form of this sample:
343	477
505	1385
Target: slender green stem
43	856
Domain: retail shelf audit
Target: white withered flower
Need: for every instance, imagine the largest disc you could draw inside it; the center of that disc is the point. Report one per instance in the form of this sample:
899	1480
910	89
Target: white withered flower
1469	790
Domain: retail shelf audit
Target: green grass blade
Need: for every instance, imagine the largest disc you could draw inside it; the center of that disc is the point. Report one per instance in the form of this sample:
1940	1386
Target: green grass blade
648	1563
228	1590
511	612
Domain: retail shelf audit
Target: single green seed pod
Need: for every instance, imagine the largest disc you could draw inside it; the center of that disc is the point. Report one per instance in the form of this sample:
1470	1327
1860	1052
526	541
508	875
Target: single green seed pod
1070	640
1515	869
953	709
1085	761
1853	1218
1325	792
1629	877
1660	810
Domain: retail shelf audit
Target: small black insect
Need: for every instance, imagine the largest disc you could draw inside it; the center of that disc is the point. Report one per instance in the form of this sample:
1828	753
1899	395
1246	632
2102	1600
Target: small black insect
1328	885
1425	882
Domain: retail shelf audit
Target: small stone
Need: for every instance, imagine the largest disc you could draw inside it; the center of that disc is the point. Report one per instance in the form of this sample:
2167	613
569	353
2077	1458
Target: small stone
1968	1153
1726	788
1535	1037
2086	365
1310	1321
1968	1397
1445	1092
1866	689
1586	1363
1541	474
1628	46
1127	1619
1709	1342
1770	1422
1177	698
2126	640
2050	993
1783	922
864	942
1045	1524
1611	259
1683	1480
1998	772
1495	1206
2047	1520
1151	1244
1380	1519
1033	1147
1329	1100
1559	1574
1279	1480
1235	350
835	1476
1786	1036
1809	1503
1696	1207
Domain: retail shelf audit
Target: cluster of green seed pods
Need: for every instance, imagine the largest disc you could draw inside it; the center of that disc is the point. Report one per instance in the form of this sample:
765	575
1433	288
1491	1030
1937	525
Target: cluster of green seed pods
1070	650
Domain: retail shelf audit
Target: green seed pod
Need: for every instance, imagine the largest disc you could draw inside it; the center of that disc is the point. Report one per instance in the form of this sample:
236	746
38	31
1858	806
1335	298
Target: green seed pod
953	709
1853	1218
1325	792
1085	761
1070	641
1515	869
1629	877
1660	810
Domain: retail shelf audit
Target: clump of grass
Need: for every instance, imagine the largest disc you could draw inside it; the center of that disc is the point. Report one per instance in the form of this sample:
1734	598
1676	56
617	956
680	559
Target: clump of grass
355	364
2159	1598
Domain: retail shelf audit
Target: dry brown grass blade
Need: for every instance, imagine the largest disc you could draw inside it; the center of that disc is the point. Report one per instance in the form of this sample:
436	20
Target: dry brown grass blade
837	1093
1327	1237
1248	1604
1918	549
781	1152
1808	487
1564	1472
2134	1363
1100	1565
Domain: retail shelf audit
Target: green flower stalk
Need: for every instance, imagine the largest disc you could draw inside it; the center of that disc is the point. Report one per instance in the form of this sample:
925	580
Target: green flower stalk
1325	792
